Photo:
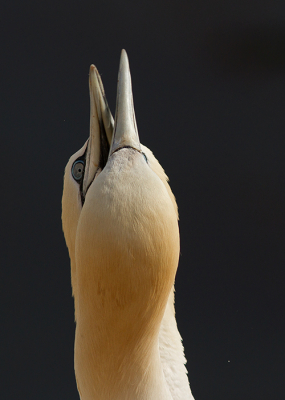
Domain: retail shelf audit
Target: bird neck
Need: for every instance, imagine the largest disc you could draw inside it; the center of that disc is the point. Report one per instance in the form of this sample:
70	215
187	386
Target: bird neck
120	302
116	344
126	256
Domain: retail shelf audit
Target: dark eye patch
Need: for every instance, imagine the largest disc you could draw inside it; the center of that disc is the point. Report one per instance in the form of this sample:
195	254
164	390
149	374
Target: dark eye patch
77	172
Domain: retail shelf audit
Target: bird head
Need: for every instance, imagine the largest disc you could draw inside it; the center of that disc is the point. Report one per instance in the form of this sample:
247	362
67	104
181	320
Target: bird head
118	212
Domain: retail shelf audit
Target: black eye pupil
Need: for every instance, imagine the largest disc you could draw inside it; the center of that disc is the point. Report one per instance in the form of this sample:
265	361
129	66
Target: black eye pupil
77	170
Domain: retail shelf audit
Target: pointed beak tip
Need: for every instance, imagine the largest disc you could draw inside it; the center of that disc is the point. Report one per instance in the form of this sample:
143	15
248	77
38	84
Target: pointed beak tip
94	79
124	61
92	68
92	72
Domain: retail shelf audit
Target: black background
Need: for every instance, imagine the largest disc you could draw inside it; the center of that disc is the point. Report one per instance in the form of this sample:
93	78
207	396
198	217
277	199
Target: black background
209	91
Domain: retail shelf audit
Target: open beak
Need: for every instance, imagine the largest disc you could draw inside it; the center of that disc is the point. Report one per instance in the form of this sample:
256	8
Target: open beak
102	142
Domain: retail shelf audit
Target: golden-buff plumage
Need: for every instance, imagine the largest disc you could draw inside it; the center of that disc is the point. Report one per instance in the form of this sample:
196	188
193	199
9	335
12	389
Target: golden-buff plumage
121	229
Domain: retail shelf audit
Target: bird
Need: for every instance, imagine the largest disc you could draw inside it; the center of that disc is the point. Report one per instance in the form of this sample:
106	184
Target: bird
120	222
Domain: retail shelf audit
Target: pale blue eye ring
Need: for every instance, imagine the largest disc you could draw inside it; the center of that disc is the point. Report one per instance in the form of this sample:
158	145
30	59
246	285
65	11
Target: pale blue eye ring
77	170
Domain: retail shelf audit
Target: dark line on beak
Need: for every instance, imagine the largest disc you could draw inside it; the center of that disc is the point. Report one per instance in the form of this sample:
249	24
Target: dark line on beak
104	146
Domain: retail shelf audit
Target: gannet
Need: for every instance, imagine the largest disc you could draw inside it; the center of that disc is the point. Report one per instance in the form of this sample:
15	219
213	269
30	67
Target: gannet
120	223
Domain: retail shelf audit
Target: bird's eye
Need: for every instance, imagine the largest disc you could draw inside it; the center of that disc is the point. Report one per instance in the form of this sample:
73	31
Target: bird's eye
77	170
